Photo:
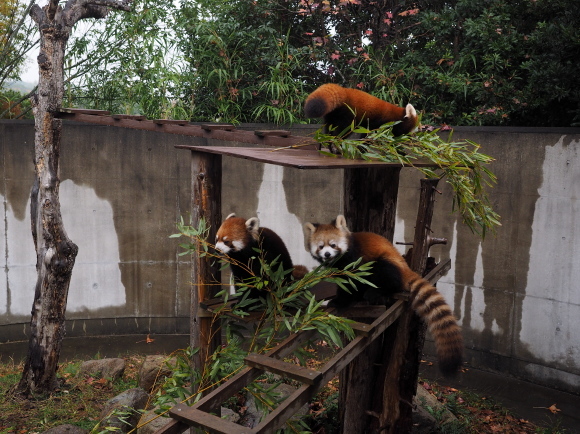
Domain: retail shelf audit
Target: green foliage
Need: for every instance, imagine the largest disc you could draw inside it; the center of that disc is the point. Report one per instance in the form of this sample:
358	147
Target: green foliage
463	62
14	105
18	36
242	69
459	162
494	63
176	388
129	64
327	418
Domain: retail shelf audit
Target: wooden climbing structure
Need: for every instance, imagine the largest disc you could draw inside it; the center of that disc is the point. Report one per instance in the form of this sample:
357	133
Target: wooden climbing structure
379	368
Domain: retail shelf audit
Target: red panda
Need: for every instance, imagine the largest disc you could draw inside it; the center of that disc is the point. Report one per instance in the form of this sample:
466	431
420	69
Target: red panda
390	273
336	105
237	238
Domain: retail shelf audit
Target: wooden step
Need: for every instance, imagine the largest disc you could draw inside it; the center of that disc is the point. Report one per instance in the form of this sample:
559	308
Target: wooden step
312	380
285	369
195	417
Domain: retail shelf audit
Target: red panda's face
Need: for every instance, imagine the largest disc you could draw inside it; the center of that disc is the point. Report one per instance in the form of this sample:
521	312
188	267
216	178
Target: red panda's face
326	246
326	242
235	234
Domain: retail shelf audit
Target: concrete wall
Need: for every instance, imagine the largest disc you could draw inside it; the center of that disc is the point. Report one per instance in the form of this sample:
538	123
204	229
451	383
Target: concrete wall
121	193
516	293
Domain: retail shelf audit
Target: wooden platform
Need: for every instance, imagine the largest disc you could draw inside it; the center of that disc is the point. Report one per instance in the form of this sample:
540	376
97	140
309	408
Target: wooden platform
297	158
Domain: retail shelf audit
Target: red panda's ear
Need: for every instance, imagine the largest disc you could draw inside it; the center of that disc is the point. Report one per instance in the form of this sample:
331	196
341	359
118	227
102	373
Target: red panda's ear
309	229
231	215
253	224
340	223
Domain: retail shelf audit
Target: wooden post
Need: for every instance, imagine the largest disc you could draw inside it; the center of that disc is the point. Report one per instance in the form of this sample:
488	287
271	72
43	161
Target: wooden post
370	204
398	379
206	174
370	199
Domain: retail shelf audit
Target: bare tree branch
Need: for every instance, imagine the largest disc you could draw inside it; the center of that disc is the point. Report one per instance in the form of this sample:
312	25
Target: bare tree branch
51	9
37	14
76	10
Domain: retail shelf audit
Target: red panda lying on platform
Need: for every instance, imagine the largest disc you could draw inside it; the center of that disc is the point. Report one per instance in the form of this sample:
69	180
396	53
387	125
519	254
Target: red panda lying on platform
340	106
237	238
390	273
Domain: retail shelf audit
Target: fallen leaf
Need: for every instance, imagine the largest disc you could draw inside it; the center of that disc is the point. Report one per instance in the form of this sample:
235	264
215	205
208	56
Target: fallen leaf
552	408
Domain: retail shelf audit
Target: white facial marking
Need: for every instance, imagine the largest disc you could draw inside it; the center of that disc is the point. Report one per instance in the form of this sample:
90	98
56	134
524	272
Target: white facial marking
239	245
343	245
221	246
327	252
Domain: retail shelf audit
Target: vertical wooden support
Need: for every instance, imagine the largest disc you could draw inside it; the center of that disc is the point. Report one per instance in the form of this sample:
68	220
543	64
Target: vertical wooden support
206	174
370	204
423	225
370	199
377	388
393	403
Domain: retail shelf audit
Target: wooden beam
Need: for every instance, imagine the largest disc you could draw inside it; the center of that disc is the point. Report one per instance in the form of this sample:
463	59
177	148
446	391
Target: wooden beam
278	417
370	204
206	174
393	401
215	424
247	375
285	369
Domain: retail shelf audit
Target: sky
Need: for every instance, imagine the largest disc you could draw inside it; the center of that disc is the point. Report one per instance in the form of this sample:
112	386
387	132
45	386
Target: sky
30	70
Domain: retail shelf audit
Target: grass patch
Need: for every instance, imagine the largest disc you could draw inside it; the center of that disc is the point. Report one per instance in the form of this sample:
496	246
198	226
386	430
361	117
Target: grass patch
78	401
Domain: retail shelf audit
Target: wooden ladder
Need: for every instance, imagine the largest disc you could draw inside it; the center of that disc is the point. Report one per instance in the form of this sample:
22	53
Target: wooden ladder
201	415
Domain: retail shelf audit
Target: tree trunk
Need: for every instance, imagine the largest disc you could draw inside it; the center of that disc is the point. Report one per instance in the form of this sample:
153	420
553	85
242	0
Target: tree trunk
55	252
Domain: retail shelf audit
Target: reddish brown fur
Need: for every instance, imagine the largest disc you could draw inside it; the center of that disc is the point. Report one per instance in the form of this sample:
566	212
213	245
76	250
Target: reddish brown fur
242	237
235	228
336	105
391	272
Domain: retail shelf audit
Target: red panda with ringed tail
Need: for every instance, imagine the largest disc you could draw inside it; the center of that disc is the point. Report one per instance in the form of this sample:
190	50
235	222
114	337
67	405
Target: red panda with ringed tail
340	106
335	245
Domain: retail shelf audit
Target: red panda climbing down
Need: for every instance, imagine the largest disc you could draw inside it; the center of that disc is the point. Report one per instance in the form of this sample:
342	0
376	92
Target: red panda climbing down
390	273
237	238
336	104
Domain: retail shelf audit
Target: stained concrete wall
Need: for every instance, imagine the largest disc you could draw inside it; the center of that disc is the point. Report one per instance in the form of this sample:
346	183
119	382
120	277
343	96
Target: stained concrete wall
516	293
121	193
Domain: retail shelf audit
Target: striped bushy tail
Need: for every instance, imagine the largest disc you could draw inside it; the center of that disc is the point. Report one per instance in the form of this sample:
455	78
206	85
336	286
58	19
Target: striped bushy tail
430	305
